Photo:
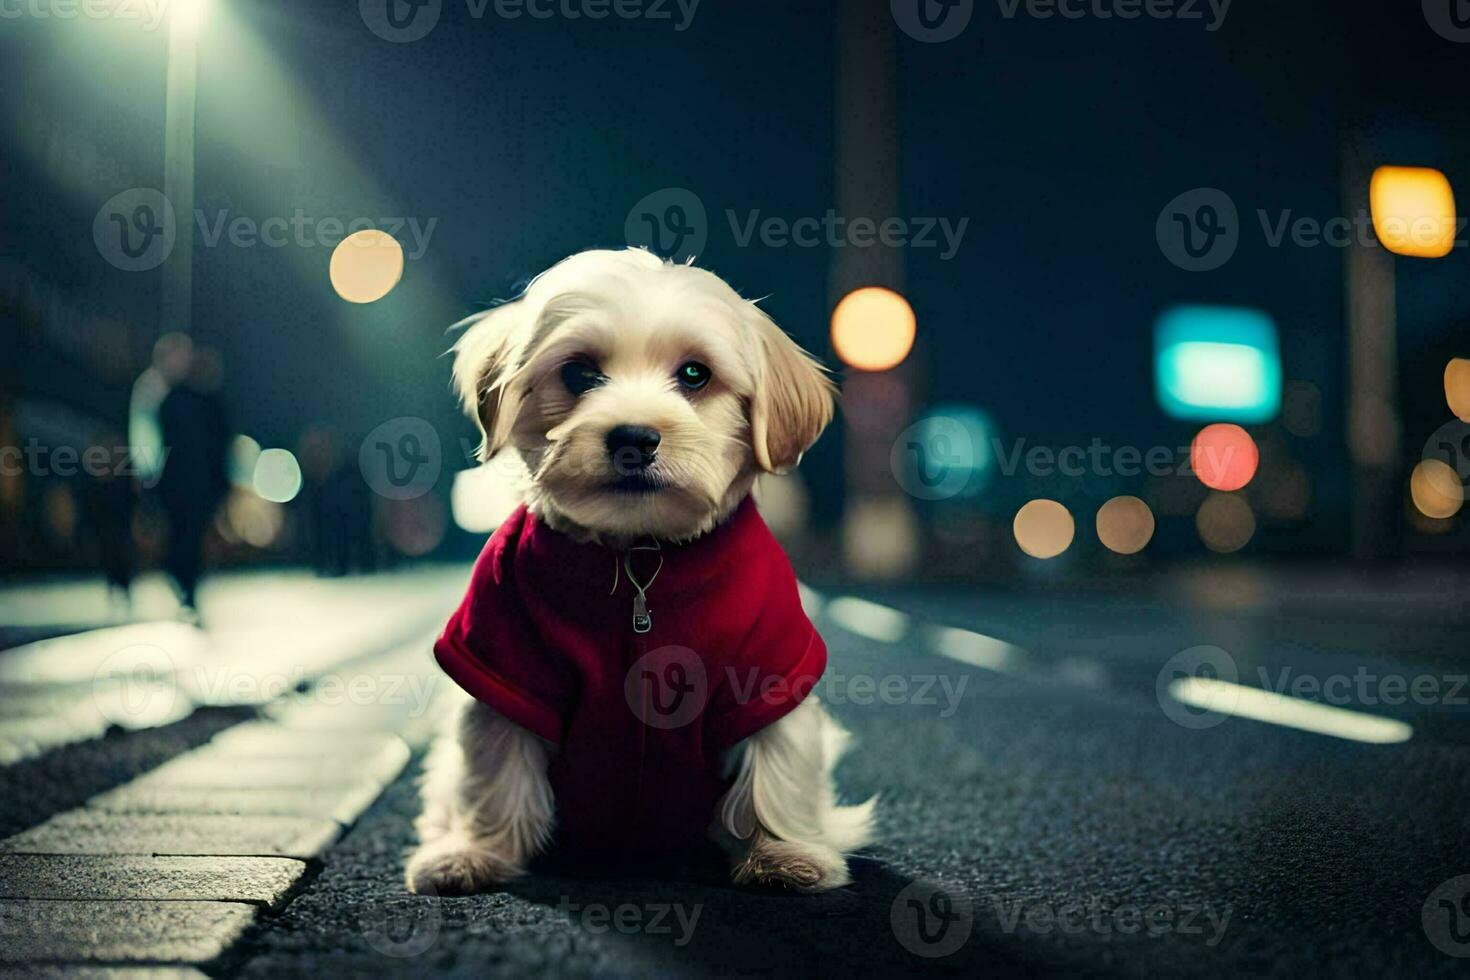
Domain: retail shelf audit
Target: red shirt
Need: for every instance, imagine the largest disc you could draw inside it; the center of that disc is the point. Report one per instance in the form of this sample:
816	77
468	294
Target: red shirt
546	636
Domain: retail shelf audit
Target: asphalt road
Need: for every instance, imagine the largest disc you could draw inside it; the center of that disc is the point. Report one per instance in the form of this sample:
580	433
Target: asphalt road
1048	812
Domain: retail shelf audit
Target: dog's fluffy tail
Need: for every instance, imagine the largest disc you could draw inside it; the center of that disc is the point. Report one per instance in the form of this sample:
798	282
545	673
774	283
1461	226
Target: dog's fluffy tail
785	784
846	828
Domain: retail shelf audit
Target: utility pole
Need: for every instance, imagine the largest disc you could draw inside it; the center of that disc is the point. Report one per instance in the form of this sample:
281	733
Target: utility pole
880	531
176	303
1373	423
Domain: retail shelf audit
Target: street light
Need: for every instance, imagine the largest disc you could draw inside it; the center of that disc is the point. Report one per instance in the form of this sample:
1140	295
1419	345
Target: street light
186	17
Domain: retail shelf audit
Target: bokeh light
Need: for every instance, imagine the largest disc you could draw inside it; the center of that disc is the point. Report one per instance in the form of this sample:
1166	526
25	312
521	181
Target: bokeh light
1457	387
1225	522
1217	362
1224	456
873	329
244	454
1125	525
1044	528
277	476
250	519
366	266
1413	211
482	497
1436	490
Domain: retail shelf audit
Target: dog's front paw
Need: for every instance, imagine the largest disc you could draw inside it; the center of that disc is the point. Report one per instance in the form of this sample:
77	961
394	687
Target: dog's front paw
776	863
457	867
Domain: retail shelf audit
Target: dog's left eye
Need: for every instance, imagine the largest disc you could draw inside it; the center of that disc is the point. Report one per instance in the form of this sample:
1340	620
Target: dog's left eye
692	375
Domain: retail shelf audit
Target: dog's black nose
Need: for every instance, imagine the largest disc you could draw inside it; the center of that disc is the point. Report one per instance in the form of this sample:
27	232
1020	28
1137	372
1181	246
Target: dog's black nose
632	447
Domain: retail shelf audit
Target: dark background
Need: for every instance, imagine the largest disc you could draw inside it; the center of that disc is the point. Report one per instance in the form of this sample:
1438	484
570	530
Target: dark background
526	140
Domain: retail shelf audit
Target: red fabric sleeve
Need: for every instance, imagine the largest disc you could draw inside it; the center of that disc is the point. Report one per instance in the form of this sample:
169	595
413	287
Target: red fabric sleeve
778	664
489	649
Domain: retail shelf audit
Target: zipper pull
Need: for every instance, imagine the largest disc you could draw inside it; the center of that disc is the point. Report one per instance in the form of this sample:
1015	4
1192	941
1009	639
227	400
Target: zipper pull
642	622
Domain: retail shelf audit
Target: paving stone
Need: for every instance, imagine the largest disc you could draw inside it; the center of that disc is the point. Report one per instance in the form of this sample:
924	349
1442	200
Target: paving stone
88	831
269	739
266	881
343	804
119	932
215	766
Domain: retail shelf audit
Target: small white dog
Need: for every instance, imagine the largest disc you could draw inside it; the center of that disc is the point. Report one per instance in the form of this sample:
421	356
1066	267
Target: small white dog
645	398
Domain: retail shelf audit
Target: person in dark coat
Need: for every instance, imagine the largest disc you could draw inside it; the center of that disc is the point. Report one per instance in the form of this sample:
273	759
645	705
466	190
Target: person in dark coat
196	435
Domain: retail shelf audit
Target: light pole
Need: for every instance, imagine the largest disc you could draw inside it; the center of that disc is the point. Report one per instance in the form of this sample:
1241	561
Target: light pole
176	302
880	531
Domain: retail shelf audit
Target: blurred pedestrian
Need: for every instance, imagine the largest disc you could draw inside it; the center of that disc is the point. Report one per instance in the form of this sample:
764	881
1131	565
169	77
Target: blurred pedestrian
111	494
196	436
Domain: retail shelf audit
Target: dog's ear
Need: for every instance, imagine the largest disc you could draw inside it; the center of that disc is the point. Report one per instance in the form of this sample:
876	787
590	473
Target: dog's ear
483	371
793	399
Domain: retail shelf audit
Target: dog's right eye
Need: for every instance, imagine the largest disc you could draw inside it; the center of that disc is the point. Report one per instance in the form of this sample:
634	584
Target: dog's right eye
580	377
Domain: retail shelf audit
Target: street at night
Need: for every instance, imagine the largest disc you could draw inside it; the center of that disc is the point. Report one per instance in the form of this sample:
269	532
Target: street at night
661	488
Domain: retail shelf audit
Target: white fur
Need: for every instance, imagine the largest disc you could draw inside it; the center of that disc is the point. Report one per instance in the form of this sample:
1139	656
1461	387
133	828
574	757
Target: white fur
488	808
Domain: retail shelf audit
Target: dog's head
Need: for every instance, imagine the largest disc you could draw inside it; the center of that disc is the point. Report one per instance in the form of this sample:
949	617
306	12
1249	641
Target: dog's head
644	396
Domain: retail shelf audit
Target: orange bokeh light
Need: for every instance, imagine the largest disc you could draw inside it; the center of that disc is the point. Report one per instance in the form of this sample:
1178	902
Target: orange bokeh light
1413	211
1457	387
1224	456
873	329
